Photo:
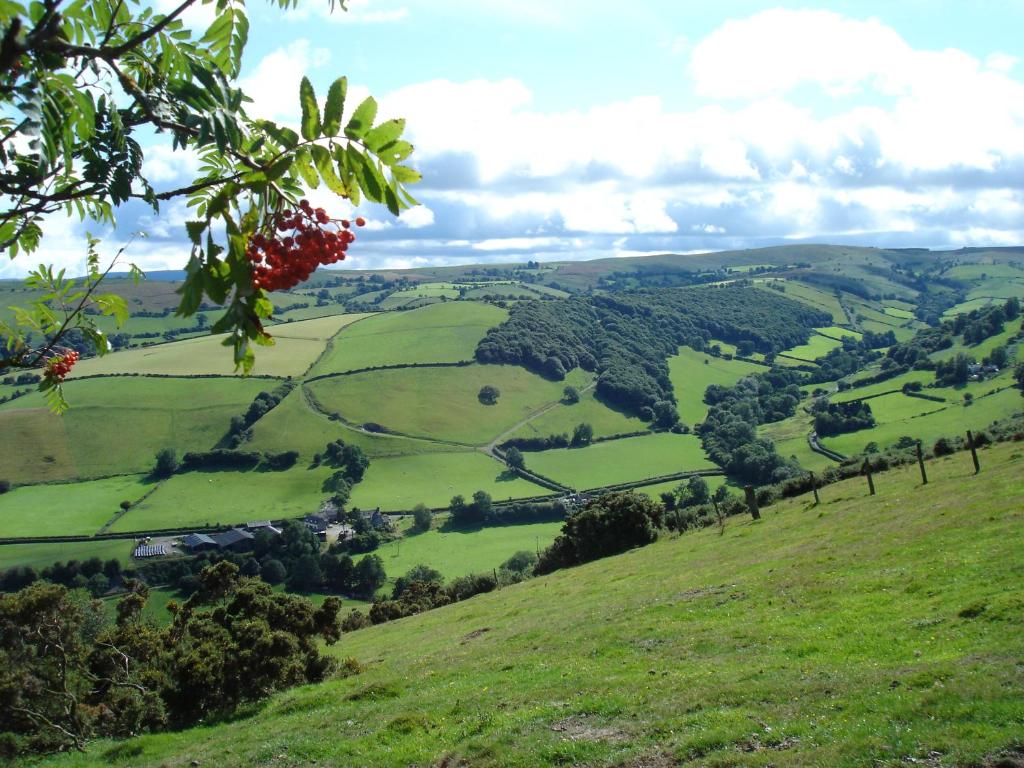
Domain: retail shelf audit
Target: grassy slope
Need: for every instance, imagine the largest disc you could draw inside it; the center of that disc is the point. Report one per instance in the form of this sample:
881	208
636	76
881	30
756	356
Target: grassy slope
116	425
564	418
67	509
438	333
950	421
442	402
866	632
692	372
293	425
399	484
456	553
297	346
199	498
620	461
41	555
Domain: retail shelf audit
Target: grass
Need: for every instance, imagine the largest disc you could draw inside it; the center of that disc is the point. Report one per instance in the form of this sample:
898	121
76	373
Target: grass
116	425
817	346
899	314
442	403
790	439
951	421
815	297
655	491
297	345
67	509
459	552
399	484
620	461
564	418
439	333
224	498
294	425
41	555
985	347
838	332
868	631
692	372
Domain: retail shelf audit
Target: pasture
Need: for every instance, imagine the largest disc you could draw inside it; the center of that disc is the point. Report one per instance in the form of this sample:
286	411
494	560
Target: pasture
400	483
923	633
952	421
563	418
39	556
1010	329
838	332
294	426
438	333
442	403
67	509
620	461
297	345
790	439
817	346
227	498
692	372
458	552
808	294
898	313
117	424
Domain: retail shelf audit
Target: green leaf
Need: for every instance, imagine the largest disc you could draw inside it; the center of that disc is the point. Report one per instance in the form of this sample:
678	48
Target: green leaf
304	165
113	305
405	174
362	119
395	152
384	134
310	111
195	231
324	164
335	106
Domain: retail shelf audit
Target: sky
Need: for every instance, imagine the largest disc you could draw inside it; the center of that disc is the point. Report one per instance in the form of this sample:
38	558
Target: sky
580	129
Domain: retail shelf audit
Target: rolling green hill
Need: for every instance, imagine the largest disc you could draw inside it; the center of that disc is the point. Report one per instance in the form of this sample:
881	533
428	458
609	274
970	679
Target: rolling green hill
880	630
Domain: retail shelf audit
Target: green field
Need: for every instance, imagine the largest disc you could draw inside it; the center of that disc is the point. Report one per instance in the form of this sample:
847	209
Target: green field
620	461
39	556
894	384
442	403
459	552
798	641
563	419
225	498
692	372
817	346
400	483
899	314
67	509
117	424
838	332
952	421
439	333
790	439
899	407
815	297
655	491
979	351
297	345
294	426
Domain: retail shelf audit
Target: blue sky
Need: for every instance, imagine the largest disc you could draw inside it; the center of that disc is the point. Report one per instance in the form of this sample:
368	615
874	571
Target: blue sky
582	129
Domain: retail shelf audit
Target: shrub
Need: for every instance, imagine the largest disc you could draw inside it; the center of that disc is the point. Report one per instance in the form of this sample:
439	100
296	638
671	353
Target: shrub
606	526
488	394
5	486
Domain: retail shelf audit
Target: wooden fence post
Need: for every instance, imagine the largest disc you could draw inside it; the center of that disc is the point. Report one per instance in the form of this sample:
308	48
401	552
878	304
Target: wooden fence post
920	463
814	488
974	452
866	469
752	502
718	514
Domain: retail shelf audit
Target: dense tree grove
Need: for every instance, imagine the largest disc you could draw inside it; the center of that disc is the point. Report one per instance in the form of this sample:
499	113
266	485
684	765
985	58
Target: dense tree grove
974	326
609	524
628	337
71	674
837	418
849	358
729	431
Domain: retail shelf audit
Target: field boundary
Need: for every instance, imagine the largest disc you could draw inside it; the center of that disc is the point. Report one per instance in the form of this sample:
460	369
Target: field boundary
394	367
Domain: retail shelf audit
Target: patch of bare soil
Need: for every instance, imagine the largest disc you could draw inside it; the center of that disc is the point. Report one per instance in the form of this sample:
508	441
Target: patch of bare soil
576	728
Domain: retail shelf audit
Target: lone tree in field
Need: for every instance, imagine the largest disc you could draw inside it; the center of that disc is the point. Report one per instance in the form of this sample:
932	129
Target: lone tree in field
570	395
82	83
489	395
514	459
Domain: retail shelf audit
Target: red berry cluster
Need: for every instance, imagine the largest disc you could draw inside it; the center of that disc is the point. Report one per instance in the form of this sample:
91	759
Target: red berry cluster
59	366
300	242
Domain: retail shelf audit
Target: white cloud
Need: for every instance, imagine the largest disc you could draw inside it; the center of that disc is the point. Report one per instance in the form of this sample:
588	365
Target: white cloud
273	85
359	12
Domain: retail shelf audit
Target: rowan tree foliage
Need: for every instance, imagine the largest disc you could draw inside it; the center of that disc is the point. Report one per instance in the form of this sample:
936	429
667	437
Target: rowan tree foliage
84	84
